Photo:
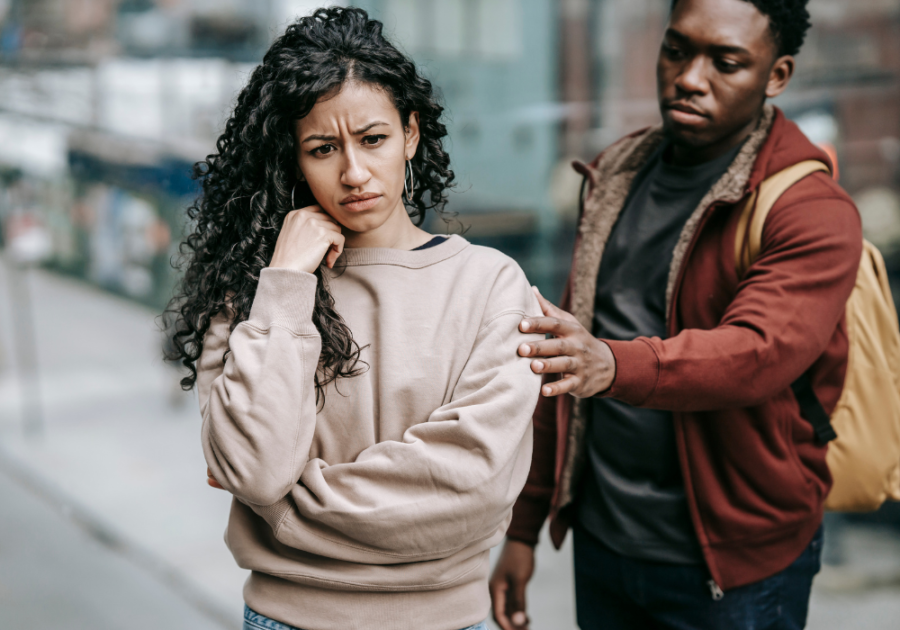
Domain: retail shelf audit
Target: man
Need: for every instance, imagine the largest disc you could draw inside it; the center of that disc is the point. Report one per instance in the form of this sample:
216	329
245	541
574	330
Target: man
681	460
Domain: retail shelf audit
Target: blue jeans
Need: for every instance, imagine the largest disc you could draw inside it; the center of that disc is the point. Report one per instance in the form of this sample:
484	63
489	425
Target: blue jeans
613	592
254	621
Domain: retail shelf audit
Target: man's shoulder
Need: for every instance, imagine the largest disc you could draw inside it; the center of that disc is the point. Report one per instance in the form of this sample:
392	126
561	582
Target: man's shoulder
625	154
813	190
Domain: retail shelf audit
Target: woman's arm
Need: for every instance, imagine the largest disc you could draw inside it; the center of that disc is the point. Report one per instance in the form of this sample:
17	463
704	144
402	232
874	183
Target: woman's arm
450	481
259	405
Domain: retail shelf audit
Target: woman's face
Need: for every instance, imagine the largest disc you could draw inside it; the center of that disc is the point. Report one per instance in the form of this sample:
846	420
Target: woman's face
353	151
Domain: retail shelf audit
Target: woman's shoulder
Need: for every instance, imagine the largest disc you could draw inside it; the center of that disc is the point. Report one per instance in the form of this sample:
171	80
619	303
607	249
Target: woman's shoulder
504	280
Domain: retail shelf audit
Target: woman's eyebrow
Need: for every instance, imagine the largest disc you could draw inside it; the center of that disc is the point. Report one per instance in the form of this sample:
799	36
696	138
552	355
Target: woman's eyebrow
355	133
368	127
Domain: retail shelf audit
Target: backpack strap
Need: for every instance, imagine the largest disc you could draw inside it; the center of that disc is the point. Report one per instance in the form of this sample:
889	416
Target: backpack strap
747	244
812	409
748	238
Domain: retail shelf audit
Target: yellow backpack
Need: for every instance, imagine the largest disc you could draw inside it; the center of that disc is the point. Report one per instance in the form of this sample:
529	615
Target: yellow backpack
864	429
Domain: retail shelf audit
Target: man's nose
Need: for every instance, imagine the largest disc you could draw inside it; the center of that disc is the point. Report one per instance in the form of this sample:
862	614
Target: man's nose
355	173
693	77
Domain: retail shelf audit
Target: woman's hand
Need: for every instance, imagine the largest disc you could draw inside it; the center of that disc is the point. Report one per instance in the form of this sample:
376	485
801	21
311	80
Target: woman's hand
211	481
307	236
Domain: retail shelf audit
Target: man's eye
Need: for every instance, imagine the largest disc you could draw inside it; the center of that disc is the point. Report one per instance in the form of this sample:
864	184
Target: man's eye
727	66
373	140
325	149
671	52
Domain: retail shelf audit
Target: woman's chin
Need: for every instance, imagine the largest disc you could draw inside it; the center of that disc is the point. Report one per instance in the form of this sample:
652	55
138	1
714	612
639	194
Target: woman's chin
362	223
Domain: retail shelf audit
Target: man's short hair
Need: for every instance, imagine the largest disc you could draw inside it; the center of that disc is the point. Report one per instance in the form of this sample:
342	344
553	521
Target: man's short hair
788	21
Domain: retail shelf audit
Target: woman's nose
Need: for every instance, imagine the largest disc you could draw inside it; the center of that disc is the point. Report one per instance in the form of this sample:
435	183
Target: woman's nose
355	173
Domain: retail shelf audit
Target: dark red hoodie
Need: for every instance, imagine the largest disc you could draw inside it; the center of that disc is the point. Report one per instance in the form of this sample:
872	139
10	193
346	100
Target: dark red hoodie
755	477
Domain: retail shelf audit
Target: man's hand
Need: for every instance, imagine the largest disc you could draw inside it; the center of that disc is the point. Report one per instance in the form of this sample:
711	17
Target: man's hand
586	364
511	575
211	481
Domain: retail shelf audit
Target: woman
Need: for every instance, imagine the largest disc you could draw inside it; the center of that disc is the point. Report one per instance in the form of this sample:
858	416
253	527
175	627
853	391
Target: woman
361	394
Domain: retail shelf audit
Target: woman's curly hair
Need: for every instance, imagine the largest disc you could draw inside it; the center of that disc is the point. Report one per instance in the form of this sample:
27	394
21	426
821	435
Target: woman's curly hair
247	184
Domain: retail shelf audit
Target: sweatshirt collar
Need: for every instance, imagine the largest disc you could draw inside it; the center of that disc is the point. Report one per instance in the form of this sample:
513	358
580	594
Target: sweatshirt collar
411	259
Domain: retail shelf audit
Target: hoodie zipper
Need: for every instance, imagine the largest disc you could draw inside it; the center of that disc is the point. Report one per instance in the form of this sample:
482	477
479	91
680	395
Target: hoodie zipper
715	590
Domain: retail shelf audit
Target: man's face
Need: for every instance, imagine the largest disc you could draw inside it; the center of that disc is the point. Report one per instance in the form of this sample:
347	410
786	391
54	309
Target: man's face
714	71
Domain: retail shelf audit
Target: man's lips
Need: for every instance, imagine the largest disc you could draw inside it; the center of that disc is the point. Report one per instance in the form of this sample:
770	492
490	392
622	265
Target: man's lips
359	203
685	114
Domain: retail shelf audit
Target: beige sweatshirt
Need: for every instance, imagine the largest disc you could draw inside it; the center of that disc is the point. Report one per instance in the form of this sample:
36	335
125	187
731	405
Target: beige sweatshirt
379	510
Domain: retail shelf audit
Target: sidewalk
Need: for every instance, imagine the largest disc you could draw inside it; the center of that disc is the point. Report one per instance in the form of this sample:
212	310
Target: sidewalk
112	446
126	466
58	572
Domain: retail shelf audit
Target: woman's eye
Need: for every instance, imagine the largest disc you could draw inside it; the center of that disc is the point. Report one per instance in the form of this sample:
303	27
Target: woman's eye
325	149
373	140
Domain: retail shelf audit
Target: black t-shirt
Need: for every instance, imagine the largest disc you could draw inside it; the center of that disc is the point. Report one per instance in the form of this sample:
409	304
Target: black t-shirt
435	240
633	495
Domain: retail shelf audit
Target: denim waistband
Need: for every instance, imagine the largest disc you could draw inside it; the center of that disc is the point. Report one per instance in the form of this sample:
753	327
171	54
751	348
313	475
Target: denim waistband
254	621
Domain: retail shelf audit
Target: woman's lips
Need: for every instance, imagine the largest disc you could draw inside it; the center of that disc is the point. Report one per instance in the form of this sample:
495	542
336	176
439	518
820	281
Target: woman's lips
360	205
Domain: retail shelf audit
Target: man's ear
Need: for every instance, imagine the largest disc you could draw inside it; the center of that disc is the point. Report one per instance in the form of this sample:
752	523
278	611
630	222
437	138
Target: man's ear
780	76
412	135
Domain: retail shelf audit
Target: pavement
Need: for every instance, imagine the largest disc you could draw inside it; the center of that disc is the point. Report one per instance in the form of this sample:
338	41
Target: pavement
107	521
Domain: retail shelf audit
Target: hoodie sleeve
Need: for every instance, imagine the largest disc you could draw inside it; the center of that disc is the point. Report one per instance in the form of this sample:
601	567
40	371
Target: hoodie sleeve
783	316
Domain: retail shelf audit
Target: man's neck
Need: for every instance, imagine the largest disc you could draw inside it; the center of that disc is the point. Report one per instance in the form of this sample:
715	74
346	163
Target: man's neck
691	156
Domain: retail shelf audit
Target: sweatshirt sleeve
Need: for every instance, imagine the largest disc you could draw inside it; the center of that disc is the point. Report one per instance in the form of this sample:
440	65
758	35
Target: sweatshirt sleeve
450	482
533	505
258	403
784	314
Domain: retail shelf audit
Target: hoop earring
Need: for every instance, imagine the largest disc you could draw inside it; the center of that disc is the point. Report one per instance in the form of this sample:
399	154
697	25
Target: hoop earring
412	182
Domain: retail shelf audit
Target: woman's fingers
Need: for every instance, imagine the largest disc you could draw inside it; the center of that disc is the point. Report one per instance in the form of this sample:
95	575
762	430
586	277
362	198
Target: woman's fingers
211	481
308	238
337	248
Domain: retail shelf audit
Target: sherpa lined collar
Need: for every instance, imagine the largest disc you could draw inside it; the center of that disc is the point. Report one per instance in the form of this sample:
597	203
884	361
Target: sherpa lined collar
609	183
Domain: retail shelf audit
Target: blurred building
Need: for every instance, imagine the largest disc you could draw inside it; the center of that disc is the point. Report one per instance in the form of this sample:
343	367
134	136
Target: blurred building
105	104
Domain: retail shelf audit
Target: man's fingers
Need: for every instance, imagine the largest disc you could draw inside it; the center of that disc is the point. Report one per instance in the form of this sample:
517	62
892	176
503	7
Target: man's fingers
555	365
544	302
516	605
550	309
552	325
547	348
498	598
547	306
557	388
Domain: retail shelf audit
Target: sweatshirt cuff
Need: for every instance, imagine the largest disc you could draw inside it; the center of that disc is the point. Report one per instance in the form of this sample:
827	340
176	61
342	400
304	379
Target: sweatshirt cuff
285	297
637	371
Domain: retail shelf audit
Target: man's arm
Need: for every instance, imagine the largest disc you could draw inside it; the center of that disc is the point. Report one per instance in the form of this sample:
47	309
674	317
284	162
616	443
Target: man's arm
785	312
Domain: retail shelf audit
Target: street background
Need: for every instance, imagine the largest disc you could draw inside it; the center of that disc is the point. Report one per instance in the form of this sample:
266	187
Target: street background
105	518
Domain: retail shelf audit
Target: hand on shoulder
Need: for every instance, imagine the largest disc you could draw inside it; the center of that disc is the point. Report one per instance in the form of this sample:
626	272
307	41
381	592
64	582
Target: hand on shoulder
586	365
